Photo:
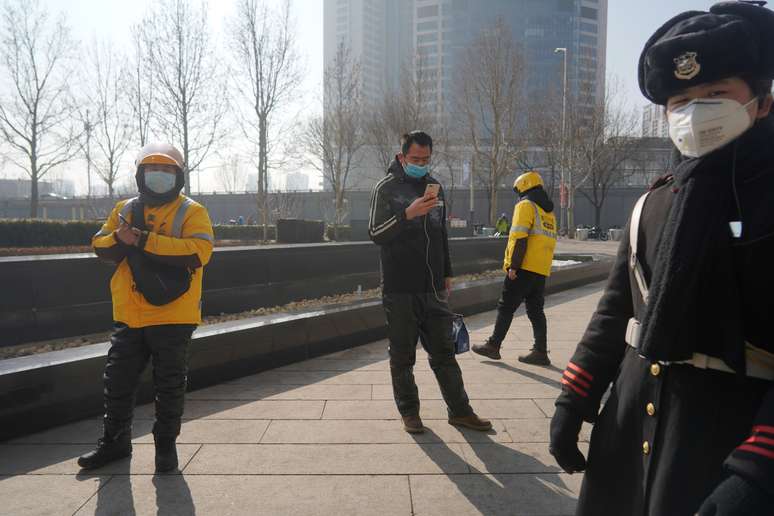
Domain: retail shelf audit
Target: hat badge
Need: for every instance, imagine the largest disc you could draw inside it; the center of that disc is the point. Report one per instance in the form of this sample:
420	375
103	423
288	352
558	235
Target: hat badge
687	66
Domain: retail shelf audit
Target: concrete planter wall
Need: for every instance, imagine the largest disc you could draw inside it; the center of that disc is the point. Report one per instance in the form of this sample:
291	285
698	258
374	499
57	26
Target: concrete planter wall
48	297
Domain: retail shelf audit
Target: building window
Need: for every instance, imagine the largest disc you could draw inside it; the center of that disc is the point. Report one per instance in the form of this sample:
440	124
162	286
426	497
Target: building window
427	38
588	40
589	27
589	12
429	25
427	11
565	5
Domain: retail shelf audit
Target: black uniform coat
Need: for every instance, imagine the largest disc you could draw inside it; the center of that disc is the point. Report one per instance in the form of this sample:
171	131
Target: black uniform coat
659	444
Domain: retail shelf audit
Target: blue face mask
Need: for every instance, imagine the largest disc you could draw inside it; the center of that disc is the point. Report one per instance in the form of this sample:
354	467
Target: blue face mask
415	171
159	182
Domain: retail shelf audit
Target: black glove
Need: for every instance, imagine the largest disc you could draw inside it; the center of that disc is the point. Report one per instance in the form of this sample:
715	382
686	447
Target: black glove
736	496
565	427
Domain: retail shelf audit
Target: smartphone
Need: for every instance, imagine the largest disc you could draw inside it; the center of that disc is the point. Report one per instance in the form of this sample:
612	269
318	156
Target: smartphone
432	190
121	217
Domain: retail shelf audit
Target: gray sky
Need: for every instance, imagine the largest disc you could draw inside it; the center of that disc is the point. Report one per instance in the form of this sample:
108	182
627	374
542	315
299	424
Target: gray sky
630	23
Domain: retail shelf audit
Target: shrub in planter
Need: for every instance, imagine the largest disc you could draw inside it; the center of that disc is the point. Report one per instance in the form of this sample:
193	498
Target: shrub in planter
46	233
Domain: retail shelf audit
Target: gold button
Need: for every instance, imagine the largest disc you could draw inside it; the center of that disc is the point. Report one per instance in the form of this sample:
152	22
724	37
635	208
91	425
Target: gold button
646	448
655	369
651	409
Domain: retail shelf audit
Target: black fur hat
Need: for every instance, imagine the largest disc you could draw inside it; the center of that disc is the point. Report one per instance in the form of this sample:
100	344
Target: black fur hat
695	47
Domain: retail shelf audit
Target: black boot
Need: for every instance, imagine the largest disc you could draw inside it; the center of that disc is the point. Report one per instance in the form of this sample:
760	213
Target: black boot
109	449
488	349
536	357
166	454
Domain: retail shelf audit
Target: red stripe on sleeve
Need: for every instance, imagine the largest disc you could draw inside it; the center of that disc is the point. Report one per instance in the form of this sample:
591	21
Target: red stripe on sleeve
755	449
580	371
763	429
577	379
574	388
759	439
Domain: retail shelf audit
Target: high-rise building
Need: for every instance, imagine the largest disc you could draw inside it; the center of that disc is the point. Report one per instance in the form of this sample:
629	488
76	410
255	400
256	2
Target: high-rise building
654	122
378	34
445	29
429	39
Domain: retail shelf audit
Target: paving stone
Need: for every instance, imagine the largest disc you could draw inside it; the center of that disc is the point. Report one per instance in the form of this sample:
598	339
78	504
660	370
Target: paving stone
537	430
495	495
546	406
480	391
232	495
215	431
379	409
327	459
374	432
431	409
48	459
231	409
38	495
284	392
510	458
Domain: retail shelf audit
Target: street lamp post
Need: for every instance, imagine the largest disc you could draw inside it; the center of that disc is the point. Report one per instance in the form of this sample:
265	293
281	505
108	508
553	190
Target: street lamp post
563	198
87	128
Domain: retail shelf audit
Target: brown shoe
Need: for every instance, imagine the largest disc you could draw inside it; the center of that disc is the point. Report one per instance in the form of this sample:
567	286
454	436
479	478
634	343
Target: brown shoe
413	425
535	357
487	349
472	421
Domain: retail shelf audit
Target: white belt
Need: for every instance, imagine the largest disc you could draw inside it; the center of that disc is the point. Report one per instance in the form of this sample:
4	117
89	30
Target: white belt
760	363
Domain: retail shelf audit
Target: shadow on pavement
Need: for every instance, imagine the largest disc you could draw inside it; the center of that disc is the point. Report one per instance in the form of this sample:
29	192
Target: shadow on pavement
510	482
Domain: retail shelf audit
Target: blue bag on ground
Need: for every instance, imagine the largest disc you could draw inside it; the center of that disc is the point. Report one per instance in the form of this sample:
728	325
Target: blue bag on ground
460	333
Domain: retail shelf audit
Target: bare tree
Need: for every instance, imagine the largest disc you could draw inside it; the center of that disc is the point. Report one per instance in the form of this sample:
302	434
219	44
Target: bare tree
140	86
284	205
264	47
545	129
491	79
230	175
333	142
601	141
401	111
36	113
190	101
108	126
447	159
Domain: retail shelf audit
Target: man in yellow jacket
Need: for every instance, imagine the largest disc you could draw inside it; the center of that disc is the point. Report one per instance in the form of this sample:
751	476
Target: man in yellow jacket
527	264
160	241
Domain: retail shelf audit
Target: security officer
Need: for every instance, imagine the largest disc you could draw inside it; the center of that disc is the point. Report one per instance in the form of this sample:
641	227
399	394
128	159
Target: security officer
683	329
173	241
527	264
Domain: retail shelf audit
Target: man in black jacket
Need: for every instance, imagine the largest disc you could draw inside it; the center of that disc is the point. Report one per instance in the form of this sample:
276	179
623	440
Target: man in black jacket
408	221
683	330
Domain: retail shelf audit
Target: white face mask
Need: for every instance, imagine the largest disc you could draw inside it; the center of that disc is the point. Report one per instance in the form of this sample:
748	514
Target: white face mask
703	125
159	181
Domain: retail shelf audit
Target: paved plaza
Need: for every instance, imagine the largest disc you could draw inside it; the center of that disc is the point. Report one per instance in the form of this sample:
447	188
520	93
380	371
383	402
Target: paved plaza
322	437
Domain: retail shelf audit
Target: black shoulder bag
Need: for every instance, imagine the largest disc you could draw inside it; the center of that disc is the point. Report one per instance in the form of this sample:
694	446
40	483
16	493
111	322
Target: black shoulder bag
159	283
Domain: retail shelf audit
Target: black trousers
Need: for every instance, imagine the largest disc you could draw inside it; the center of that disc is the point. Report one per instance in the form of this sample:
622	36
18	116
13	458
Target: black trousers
529	287
130	351
421	316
